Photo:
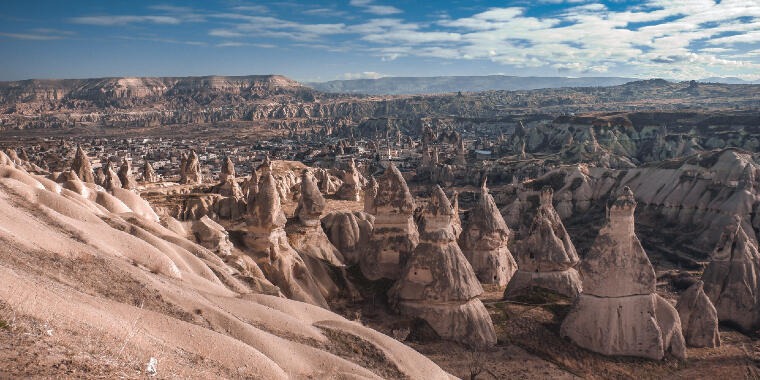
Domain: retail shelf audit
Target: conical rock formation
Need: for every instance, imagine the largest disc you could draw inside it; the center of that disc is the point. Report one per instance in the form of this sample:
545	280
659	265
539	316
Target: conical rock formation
439	285
699	319
125	176
351	188
394	235
228	170
732	279
190	173
149	175
111	178
484	242
308	236
546	258
271	250
619	312
81	166
349	232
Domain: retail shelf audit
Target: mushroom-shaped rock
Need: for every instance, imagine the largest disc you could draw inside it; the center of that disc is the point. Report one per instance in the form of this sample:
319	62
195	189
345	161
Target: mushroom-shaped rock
191	170
228	170
618	312
484	242
546	258
149	175
271	250
394	235
125	176
81	166
732	278
699	319
351	188
439	285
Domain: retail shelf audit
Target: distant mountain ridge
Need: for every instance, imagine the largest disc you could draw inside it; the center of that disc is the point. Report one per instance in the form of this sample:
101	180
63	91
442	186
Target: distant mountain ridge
442	84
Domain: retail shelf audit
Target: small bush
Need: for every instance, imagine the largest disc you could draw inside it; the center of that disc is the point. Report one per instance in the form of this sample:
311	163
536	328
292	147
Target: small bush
4	325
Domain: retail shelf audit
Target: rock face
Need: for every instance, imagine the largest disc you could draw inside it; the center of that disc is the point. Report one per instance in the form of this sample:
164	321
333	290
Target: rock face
732	279
699	319
81	166
228	170
394	235
190	173
370	192
546	257
271	250
484	242
125	176
111	178
351	188
349	232
309	237
149	175
618	312
439	285
212	236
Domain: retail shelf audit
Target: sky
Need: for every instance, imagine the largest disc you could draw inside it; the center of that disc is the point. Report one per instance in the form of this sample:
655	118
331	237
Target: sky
327	40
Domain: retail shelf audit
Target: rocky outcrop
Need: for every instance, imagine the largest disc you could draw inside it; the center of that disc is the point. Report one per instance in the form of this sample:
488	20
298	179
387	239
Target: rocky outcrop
484	242
212	236
328	183
228	170
618	312
349	232
190	173
699	319
439	285
394	235
111	178
81	166
546	258
351	188
125	176
269	246
149	175
370	192
307	235
732	278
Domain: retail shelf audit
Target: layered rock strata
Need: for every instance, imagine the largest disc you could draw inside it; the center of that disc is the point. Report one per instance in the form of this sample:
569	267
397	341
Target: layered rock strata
484	242
546	258
619	312
439	285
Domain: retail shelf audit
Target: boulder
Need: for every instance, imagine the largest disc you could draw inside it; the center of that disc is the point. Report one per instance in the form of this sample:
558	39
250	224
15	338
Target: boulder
699	319
212	236
484	242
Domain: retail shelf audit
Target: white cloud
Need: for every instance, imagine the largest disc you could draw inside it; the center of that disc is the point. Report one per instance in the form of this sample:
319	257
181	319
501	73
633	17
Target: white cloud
124	20
380	10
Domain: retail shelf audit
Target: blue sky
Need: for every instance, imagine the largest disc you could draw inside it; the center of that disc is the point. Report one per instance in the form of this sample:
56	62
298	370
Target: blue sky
318	41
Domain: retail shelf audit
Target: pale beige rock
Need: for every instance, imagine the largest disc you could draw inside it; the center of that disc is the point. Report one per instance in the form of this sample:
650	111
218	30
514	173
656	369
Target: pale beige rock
484	242
212	236
125	176
616	265
619	312
732	278
307	236
149	175
546	258
81	166
438	284
349	232
228	170
111	179
394	235
190	173
699	319
269	246
351	188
